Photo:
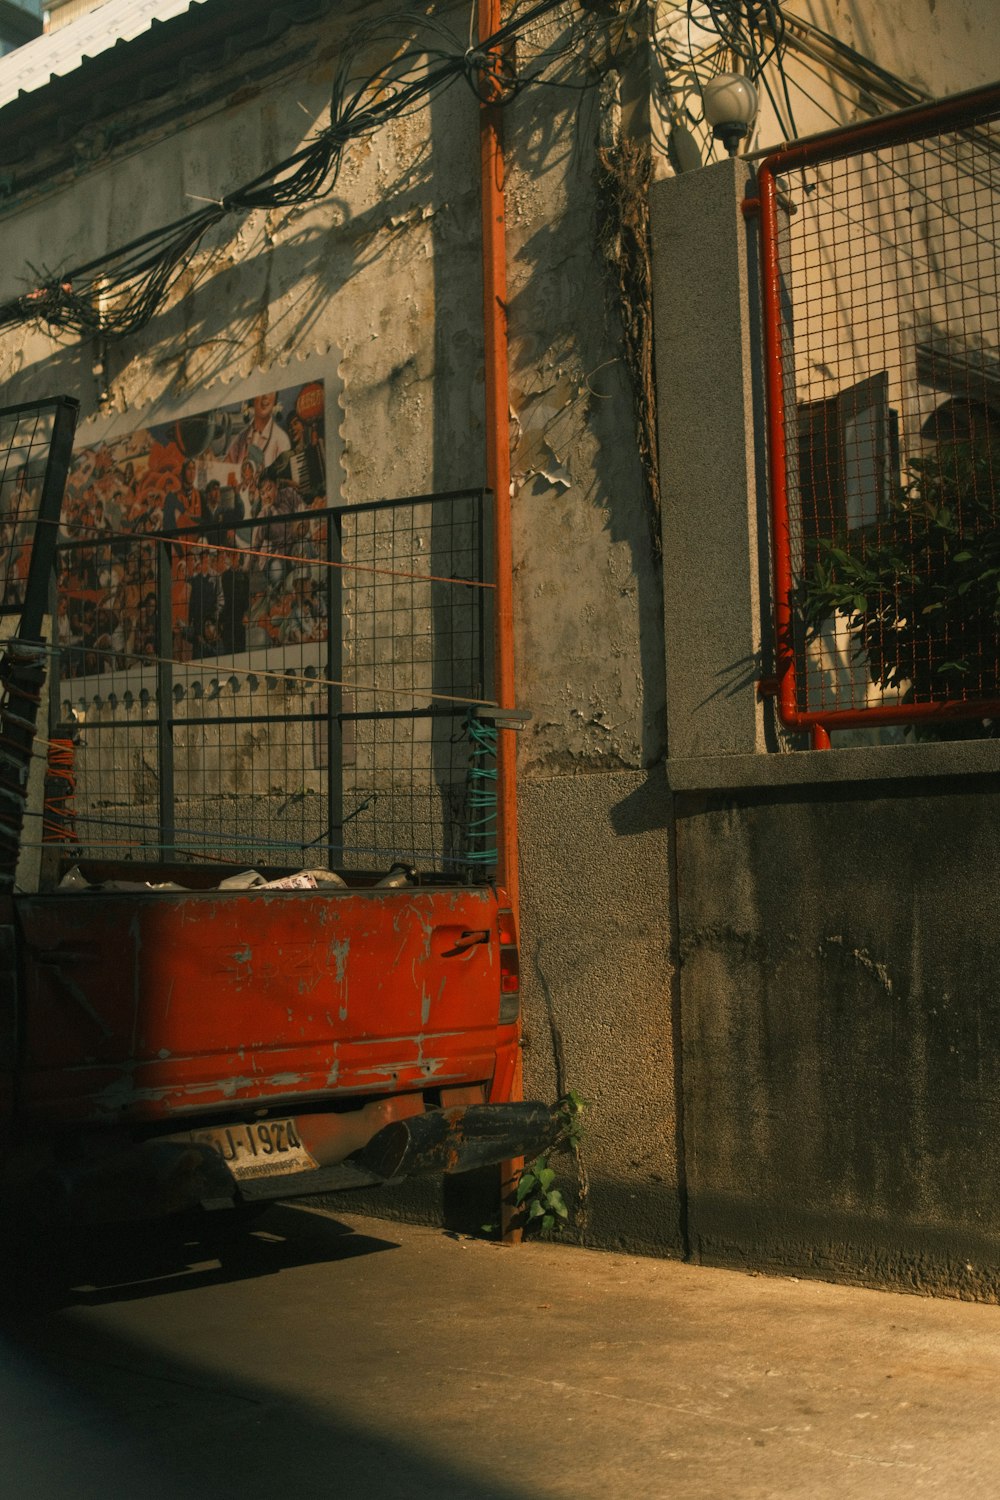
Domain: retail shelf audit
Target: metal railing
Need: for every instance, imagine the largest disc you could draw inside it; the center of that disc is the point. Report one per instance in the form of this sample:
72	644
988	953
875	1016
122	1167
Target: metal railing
310	689
881	313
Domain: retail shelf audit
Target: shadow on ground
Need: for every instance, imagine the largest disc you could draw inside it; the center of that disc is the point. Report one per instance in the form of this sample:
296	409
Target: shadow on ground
92	1407
122	1262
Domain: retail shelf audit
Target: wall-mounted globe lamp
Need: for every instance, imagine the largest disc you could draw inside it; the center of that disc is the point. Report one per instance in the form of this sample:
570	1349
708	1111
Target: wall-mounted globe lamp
730	103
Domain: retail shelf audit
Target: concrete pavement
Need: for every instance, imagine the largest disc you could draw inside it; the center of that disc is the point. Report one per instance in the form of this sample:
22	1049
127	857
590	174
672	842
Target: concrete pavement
356	1358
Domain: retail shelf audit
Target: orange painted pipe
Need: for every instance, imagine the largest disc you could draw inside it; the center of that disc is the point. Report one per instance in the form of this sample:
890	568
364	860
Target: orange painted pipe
498	451
494	243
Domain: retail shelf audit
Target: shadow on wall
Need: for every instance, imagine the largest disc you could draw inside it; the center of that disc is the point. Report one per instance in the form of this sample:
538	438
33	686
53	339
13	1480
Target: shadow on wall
644	809
575	455
224	310
840	1018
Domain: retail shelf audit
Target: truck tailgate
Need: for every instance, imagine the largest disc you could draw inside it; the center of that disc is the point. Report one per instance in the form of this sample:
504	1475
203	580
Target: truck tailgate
144	1006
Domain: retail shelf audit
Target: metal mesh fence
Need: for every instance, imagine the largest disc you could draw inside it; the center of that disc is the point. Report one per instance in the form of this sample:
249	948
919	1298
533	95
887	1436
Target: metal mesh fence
883	337
26	434
302	690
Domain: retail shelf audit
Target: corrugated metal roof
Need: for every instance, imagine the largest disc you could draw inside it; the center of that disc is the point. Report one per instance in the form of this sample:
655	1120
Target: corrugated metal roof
63	51
139	64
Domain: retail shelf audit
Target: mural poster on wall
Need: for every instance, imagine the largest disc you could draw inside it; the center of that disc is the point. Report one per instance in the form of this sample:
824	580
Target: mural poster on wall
238	486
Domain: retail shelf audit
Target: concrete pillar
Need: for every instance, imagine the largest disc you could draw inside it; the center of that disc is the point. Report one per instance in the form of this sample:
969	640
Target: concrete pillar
713	493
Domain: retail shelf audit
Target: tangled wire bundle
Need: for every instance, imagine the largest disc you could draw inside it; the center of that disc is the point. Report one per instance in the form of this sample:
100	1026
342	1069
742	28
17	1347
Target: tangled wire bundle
116	294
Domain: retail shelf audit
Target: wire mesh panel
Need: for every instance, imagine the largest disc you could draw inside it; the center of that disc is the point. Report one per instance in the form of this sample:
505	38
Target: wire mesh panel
35	441
882	334
35	445
417	627
302	689
24	451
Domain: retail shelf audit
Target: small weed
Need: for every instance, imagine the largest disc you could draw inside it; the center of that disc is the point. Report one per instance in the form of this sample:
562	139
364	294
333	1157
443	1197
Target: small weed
542	1203
543	1207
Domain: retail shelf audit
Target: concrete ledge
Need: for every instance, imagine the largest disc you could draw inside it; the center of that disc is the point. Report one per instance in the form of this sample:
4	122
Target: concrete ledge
859	763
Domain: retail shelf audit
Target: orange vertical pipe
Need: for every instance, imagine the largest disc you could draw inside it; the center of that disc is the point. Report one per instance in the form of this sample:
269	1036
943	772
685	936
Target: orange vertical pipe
498	451
494	243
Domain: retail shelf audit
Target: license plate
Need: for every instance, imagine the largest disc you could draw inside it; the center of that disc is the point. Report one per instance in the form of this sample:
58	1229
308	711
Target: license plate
268	1148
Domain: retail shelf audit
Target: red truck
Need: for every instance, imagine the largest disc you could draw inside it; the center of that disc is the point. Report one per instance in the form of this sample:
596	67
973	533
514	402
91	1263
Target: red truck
221	1048
167	1048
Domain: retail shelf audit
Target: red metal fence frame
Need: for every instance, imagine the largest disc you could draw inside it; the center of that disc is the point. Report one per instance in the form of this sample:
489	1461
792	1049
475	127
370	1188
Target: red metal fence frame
955	113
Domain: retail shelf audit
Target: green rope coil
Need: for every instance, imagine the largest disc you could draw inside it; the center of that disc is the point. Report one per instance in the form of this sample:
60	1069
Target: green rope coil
481	797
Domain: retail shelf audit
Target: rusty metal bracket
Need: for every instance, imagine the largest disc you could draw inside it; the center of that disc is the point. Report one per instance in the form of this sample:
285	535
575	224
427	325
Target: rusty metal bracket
750	207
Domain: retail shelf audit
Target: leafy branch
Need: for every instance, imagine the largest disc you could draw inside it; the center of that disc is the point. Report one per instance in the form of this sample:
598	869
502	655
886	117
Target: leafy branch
920	588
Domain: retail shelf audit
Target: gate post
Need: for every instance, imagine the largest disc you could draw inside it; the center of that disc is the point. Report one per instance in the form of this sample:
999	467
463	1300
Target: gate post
706	330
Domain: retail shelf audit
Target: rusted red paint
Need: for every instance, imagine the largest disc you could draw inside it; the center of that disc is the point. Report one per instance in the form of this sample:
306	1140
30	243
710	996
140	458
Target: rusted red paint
146	1008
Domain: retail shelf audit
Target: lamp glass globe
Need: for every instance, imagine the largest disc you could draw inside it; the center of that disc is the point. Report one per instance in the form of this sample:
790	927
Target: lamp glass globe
729	99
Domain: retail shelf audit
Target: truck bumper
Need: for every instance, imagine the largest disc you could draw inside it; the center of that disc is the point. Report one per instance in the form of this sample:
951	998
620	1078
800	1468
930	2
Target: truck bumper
155	1178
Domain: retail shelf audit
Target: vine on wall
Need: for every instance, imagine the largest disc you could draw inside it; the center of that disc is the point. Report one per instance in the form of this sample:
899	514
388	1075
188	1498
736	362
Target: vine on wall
624	175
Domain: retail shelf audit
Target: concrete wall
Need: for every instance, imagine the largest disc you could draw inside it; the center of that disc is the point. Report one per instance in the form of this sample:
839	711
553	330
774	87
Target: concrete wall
356	279
600	1007
595	932
379	285
840	1025
382	279
836	945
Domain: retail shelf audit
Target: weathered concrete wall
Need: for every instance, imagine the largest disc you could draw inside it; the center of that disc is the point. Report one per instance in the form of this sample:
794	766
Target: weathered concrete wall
382	278
359	275
589	641
834	910
380	283
840	1024
598	995
940	46
595	920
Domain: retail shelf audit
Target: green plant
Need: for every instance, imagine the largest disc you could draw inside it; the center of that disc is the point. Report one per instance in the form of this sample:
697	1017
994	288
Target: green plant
542	1203
920	588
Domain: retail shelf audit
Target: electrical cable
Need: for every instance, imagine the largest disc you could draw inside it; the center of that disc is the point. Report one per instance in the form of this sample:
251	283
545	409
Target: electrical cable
740	29
741	23
751	38
900	95
116	294
935	202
